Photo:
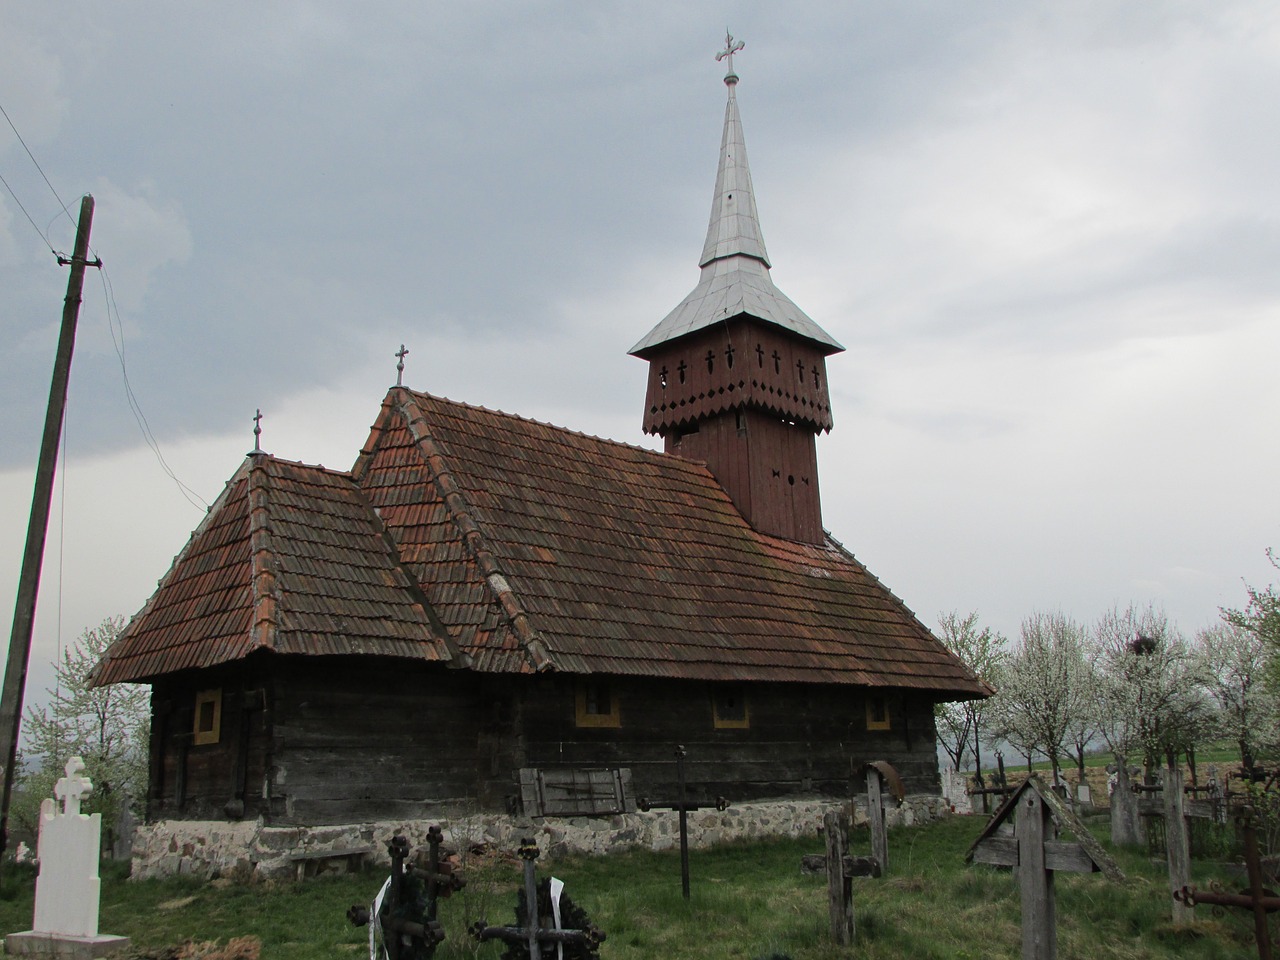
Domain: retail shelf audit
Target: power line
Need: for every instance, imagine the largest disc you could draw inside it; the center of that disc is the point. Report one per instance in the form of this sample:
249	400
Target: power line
135	408
37	164
27	215
112	311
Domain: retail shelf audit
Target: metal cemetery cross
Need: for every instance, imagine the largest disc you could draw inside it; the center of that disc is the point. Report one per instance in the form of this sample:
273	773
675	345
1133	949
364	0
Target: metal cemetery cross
1257	899
530	939
1037	854
683	806
406	908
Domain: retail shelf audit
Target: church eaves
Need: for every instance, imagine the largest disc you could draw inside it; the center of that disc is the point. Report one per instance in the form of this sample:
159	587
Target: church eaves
735	265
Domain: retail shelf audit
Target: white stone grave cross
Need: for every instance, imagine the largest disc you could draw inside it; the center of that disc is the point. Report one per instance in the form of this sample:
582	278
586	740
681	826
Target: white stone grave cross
68	888
73	787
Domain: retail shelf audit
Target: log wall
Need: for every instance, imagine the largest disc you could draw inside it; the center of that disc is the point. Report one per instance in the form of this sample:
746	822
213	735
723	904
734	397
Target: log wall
339	740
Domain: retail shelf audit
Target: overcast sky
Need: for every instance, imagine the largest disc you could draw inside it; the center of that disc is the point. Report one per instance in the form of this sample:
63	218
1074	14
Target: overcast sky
1047	233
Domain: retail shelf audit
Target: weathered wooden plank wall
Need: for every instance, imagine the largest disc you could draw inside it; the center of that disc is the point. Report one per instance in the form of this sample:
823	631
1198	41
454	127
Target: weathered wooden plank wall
801	740
337	740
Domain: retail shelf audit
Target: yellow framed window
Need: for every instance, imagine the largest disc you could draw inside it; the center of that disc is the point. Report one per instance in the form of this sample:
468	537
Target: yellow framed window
877	712
729	708
596	704
208	717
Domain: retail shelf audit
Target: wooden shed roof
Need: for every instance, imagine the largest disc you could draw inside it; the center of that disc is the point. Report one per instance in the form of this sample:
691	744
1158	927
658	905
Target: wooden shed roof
537	548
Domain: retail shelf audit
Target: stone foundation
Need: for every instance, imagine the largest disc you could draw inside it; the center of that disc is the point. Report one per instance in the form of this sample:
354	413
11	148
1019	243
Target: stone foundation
248	850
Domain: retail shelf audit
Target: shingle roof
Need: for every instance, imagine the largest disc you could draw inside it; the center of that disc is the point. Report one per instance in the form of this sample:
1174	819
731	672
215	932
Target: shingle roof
535	548
292	559
543	548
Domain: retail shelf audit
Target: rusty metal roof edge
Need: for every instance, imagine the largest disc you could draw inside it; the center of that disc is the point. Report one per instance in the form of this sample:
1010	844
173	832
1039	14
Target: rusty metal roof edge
531	642
206	521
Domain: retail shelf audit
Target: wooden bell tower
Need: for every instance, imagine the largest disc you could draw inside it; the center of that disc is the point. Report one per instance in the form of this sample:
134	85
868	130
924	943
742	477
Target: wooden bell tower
737	372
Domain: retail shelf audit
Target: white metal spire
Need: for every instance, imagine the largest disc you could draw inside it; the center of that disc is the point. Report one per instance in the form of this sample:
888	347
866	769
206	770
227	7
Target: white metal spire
735	265
735	226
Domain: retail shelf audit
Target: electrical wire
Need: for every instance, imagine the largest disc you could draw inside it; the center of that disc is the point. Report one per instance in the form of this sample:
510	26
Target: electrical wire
27	215
112	311
37	164
135	408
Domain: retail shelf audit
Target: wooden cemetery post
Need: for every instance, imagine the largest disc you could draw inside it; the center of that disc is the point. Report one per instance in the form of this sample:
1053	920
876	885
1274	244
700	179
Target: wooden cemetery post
1035	880
875	814
881	776
1037	853
839	882
1124	808
1176	843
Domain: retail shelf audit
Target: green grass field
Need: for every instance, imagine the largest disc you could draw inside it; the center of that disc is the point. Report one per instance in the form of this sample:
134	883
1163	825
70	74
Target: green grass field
749	901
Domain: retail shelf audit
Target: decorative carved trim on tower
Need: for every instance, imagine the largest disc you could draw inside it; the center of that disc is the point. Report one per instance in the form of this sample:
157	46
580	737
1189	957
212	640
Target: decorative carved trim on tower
743	364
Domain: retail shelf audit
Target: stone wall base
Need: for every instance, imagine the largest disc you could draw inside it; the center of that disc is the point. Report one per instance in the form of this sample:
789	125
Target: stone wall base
249	850
31	943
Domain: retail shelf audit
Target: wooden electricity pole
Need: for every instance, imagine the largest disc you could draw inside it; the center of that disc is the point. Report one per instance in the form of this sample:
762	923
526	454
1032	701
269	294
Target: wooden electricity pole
24	614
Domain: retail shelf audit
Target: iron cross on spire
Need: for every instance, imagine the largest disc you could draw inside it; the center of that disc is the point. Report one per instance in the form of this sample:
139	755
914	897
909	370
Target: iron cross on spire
731	47
400	355
257	430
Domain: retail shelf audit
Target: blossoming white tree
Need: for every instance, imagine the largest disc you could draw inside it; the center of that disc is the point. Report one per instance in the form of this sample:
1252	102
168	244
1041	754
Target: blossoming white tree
1045	688
962	725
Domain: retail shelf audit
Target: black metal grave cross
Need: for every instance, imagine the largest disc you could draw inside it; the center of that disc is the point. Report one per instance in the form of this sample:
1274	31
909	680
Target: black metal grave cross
529	939
407	913
683	807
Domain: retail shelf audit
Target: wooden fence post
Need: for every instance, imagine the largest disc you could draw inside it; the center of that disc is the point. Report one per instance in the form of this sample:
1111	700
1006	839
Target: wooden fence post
839	883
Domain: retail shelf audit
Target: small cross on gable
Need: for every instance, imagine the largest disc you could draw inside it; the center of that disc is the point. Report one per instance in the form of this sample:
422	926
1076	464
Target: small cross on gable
72	788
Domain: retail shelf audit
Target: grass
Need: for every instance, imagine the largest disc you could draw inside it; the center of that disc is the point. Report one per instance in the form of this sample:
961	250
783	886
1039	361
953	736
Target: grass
748	901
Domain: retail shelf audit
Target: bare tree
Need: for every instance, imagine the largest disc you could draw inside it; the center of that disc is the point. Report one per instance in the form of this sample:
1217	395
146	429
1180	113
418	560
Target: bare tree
1044	693
961	724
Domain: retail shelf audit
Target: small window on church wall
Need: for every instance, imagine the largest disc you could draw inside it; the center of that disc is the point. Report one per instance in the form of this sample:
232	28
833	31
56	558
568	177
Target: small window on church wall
729	708
208	717
596	705
877	712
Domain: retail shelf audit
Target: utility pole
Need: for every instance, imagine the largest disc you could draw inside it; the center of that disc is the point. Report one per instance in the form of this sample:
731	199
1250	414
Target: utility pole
24	614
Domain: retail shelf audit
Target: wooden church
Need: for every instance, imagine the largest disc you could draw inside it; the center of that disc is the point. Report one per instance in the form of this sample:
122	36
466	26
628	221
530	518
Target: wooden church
485	602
